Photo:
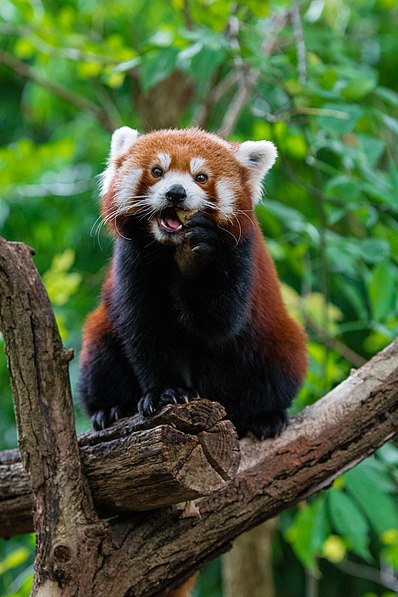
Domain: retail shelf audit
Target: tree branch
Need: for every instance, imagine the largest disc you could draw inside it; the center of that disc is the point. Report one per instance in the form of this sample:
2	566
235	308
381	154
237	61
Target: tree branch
69	96
67	526
146	553
300	42
248	76
321	443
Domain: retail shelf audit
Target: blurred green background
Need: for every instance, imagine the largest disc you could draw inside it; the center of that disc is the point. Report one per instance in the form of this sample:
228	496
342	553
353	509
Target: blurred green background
319	78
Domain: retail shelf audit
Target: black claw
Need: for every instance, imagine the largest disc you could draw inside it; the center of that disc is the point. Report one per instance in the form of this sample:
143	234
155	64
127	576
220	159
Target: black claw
155	399
102	419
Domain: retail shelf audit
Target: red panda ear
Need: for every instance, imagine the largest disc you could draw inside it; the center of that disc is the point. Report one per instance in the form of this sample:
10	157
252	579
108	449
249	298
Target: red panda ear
122	139
258	157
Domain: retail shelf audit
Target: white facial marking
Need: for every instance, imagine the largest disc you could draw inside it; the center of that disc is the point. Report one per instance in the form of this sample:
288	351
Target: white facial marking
127	186
164	161
226	197
196	197
196	164
105	179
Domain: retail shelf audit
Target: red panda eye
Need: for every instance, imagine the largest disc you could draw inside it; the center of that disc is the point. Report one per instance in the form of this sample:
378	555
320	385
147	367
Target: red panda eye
157	172
201	178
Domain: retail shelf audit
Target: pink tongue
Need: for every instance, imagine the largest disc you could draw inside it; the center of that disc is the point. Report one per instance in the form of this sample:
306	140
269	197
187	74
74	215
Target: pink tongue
172	223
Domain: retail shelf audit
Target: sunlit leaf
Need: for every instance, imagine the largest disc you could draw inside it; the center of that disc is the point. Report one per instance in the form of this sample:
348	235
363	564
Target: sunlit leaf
349	522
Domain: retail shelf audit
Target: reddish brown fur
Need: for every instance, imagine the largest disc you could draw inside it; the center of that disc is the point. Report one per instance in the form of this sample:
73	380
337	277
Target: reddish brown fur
269	313
97	323
267	308
276	341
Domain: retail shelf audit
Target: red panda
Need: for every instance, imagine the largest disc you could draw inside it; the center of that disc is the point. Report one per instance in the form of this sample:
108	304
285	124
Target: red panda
191	305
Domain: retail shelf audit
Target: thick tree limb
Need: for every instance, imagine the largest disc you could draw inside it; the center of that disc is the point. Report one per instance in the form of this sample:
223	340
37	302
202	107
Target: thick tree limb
183	453
144	554
325	440
67	526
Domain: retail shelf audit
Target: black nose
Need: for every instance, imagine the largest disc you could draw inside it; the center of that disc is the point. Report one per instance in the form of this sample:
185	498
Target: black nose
176	194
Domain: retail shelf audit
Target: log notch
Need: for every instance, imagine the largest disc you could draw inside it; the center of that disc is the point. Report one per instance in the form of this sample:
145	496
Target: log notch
184	452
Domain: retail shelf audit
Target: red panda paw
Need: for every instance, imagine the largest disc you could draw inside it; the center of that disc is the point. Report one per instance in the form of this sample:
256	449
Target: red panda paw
103	418
266	425
153	400
202	235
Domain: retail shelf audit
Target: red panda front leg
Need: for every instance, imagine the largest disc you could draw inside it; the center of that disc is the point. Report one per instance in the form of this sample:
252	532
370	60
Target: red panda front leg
108	389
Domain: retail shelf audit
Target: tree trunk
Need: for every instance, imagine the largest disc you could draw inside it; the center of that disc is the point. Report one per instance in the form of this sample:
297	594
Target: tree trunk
247	568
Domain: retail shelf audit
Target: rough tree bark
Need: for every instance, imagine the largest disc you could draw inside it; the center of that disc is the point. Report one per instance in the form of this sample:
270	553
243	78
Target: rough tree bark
147	553
180	454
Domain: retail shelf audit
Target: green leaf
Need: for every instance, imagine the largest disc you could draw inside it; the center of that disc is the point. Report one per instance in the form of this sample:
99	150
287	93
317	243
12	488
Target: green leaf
14	559
355	295
358	88
339	119
387	95
349	521
200	60
382	289
308	532
343	187
374	250
378	506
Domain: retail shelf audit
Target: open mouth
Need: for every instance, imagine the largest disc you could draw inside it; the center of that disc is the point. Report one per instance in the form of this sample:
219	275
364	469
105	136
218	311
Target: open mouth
169	222
172	220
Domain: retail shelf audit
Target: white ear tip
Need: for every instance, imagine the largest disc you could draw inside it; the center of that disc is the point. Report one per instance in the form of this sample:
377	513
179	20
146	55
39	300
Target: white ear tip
122	139
271	151
258	156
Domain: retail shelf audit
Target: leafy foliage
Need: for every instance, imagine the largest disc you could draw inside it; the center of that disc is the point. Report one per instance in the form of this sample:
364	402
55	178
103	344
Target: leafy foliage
323	88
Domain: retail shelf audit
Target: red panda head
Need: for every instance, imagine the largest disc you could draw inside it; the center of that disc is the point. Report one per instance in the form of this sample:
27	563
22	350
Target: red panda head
165	176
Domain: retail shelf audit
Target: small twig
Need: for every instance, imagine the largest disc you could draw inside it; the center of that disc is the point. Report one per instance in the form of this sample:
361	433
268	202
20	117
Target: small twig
56	189
368	573
248	76
300	42
69	96
311	584
202	115
108	105
247	81
187	16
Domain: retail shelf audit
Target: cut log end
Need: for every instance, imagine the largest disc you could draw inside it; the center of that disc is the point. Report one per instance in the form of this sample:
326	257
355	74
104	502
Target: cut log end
182	453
